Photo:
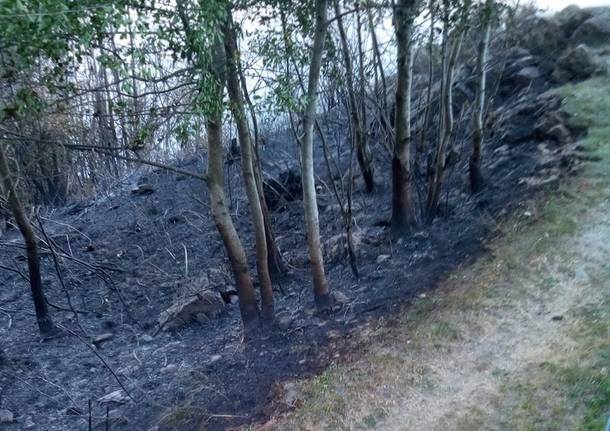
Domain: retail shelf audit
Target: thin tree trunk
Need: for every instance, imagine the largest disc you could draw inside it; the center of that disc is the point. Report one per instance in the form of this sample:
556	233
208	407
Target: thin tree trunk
247	164
367	162
359	138
218	203
404	15
474	164
437	174
277	266
43	317
383	111
322	295
426	120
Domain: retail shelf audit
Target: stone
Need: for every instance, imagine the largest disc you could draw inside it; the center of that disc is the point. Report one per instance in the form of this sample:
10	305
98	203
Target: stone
570	18
29	423
169	369
517	130
143	190
543	36
146	338
546	123
291	395
382	258
576	64
560	134
527	75
202	306
285	187
336	245
594	32
6	416
117	397
99	339
340	297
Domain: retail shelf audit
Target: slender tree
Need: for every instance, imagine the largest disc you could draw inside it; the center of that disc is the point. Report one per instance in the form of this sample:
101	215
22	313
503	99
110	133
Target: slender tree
218	202
356	110
43	317
474	165
322	295
247	163
402	217
451	46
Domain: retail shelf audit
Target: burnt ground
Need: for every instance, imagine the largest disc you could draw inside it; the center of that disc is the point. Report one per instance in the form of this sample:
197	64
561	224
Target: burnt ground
129	264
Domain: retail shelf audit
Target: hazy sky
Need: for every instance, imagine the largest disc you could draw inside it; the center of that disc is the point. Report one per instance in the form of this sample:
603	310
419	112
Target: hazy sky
560	4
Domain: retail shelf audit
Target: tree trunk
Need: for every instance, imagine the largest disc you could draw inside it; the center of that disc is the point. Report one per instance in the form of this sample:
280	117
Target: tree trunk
358	128
45	323
437	173
247	164
275	260
322	295
474	164
404	15
218	202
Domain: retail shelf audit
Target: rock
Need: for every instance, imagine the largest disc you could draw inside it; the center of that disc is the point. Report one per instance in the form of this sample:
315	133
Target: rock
336	246
286	187
526	75
517	130
577	63
29	423
595	31
560	133
542	36
169	369
291	395
340	298
117	397
99	339
143	189
201	306
146	338
570	18
557	317
6	416
517	52
546	123
382	258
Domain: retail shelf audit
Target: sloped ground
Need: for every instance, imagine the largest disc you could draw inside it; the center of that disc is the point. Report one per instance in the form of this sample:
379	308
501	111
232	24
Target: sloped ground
519	340
131	256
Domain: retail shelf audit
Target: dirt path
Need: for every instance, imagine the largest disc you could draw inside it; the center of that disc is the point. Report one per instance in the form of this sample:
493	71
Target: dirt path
519	340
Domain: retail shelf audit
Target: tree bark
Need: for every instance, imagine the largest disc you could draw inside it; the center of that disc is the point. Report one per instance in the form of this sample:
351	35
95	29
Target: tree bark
247	164
322	295
437	172
218	203
359	139
275	260
474	164
402	217
43	317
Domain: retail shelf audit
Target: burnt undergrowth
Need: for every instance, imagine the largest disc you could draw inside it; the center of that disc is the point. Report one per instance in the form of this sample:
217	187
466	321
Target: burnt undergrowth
127	256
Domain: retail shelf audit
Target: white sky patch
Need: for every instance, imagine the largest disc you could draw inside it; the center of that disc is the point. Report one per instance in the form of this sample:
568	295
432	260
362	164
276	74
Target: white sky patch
556	5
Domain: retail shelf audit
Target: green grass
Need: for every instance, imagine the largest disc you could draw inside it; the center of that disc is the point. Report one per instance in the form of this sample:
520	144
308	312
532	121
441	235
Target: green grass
545	398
